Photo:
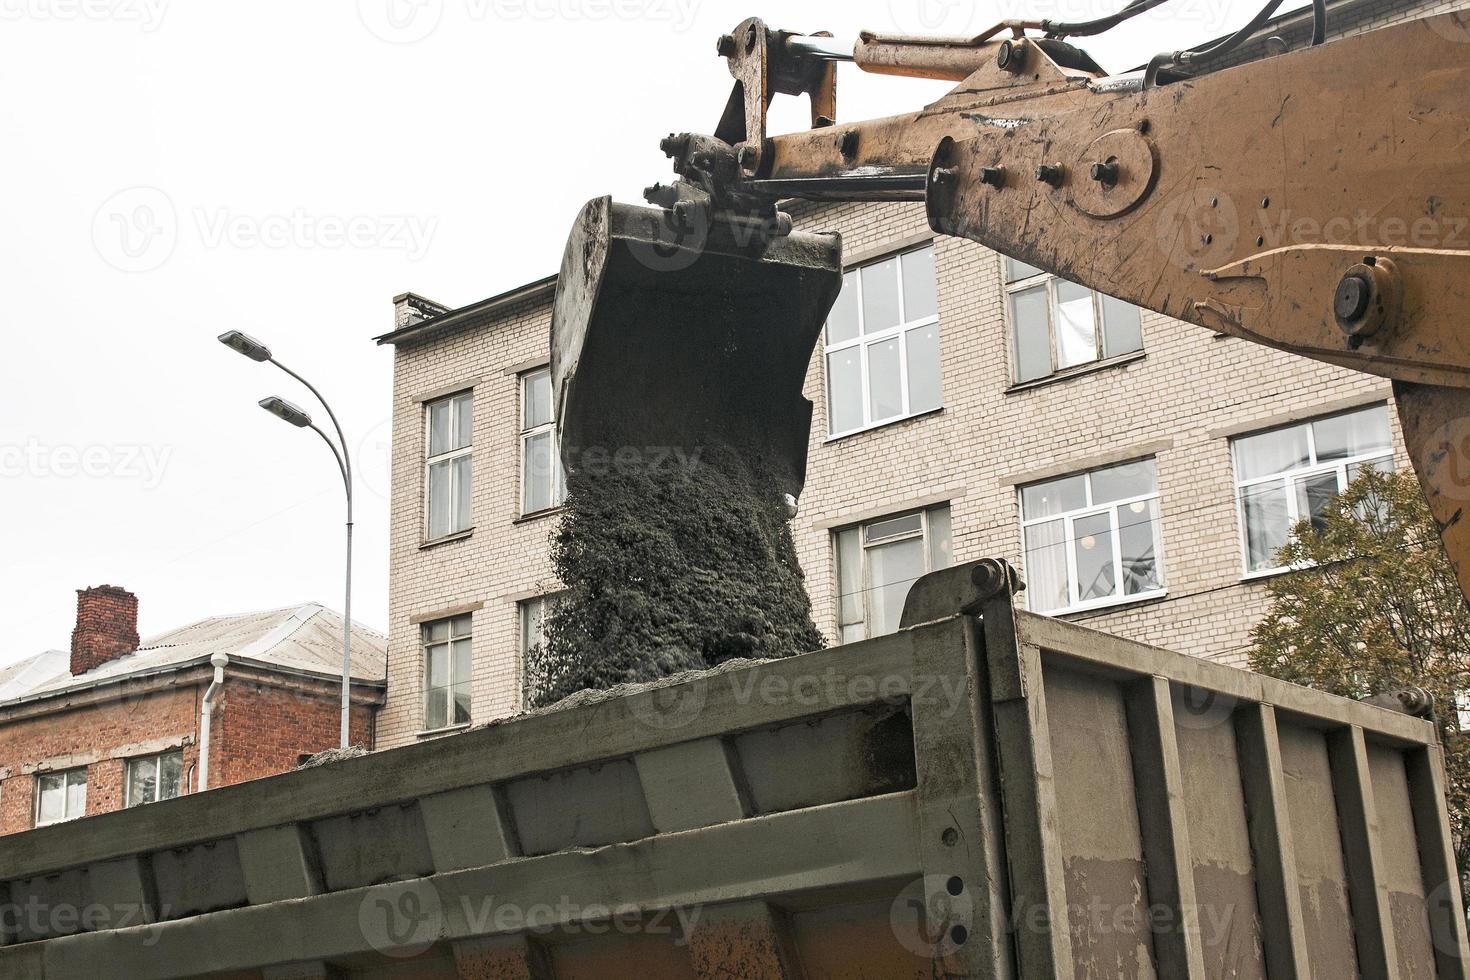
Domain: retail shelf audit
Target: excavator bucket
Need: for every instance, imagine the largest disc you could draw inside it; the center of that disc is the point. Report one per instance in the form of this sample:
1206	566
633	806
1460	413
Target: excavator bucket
668	339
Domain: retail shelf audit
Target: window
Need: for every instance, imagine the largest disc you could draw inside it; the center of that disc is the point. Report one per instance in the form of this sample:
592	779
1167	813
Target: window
1285	475
447	671
1092	539
542	483
451	439
1056	324
60	796
878	562
157	777
533	621
883	344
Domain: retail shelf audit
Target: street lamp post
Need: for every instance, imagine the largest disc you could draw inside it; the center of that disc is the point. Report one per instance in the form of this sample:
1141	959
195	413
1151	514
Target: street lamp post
282	409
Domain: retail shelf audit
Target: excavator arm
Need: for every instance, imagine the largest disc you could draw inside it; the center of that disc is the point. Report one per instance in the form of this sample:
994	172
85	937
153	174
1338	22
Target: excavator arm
1317	202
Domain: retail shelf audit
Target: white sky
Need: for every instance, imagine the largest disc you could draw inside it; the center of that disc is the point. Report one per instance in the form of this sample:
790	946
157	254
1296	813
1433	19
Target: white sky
176	168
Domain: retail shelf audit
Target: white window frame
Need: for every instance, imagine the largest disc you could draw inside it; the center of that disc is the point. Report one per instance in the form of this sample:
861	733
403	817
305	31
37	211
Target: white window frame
1069	539
425	644
523	625
157	762
864	340
1098	327
1286	477
455	408
865	571
559	480
66	784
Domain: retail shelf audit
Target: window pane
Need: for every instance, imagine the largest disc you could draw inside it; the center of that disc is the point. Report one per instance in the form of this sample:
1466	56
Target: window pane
849	579
842	322
894	527
538	399
437	630
461	704
844	390
925	393
464	421
1383	464
537	475
1016	269
170	775
1313	496
533	624
1353	434
1094	551
1122	327
460	625
1046	567
1033	344
142	784
463	491
1266	524
460	666
885	387
1271	452
439	499
439	431
880	295
437	659
852	633
76	793
941	548
919	299
1053	497
436	710
53	798
1076	326
1136	523
892	571
1122	482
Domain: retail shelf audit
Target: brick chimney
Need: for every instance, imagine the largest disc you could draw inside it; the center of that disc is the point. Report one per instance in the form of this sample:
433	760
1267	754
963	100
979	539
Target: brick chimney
107	627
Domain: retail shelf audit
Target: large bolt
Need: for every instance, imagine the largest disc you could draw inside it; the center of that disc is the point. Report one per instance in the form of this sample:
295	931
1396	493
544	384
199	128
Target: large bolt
1105	173
673	145
726	46
944	175
994	176
849	145
1350	301
1051	173
1012	56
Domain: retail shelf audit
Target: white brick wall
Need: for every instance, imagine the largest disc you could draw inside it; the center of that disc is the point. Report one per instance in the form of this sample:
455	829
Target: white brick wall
1182	399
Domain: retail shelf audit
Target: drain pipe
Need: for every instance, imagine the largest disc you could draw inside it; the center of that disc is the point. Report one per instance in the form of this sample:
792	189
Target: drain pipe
220	662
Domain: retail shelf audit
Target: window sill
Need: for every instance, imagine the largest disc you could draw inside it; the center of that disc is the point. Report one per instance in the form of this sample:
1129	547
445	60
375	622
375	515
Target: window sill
1077	371
437	732
1109	605
537	515
446	539
1266	573
882	425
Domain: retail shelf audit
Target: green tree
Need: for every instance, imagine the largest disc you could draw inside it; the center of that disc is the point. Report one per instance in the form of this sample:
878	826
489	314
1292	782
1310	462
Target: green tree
1373	604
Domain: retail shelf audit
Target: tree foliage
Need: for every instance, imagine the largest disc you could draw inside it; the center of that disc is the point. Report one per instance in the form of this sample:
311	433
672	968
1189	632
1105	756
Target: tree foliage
1373	604
679	566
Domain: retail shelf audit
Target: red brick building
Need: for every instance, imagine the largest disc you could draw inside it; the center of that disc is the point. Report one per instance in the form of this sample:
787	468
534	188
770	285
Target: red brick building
118	721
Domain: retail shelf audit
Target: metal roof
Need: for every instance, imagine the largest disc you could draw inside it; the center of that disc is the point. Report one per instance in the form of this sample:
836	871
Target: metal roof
305	639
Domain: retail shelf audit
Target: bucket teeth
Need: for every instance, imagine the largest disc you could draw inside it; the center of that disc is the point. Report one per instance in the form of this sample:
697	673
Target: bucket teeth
671	336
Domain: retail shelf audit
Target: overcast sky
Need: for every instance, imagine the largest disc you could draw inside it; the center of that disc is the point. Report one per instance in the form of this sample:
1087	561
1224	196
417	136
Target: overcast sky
176	168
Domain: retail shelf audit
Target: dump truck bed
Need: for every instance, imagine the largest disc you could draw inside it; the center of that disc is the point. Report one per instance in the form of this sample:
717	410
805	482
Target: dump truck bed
986	793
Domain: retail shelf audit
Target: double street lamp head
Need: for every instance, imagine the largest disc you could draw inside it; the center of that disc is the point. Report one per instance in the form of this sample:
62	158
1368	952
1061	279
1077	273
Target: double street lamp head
283	409
245	344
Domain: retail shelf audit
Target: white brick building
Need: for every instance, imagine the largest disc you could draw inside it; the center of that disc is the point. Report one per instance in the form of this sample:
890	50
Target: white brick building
1034	380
